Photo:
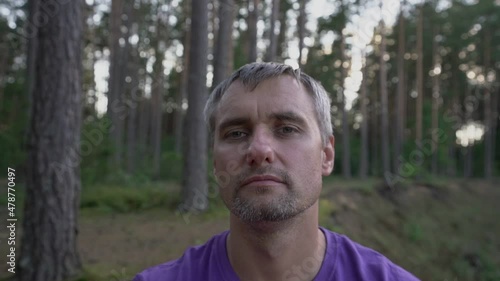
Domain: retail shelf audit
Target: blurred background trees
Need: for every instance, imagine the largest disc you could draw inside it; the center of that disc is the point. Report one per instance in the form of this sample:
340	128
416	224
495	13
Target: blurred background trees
414	88
53	145
428	69
414	83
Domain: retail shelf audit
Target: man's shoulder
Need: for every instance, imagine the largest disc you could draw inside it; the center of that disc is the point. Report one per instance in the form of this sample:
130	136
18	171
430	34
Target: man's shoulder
197	257
356	260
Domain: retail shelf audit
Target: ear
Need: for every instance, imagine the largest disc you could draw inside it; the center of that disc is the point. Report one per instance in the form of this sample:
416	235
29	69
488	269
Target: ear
328	156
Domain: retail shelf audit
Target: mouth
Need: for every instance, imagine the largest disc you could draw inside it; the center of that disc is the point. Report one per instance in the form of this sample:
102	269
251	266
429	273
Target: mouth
262	180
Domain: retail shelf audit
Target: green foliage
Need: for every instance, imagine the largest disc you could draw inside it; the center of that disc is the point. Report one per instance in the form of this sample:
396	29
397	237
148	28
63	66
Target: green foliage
13	125
216	207
124	199
327	210
172	166
413	231
484	270
97	149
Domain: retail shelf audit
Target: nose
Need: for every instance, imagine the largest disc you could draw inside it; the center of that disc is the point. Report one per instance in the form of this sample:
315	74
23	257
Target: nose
260	149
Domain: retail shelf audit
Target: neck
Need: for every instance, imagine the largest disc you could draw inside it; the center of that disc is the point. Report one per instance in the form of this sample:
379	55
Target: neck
277	250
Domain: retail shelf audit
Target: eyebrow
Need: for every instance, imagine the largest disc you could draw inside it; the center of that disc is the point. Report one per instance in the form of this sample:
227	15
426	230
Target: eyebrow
289	116
233	122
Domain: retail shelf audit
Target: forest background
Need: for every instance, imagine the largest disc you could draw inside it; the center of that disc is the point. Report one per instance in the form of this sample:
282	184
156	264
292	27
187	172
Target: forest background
101	125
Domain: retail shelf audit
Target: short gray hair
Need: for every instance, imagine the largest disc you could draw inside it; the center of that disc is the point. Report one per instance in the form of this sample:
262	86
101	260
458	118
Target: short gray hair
251	75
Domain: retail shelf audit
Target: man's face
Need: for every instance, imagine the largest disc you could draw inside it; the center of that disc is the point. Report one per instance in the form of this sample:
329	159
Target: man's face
269	157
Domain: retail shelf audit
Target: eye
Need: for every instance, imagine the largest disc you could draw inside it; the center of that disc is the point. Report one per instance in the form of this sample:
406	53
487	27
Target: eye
287	130
235	135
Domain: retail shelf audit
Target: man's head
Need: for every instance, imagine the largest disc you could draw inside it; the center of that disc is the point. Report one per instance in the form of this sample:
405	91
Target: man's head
272	141
251	75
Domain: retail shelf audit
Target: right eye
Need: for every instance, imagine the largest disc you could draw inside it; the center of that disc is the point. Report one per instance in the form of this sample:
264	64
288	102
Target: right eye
235	135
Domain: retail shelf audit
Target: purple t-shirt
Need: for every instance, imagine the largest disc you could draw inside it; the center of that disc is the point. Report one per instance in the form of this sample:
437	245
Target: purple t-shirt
344	260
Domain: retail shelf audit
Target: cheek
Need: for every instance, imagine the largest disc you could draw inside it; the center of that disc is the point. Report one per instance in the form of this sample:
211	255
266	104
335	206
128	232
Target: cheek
227	166
220	157
308	165
226	159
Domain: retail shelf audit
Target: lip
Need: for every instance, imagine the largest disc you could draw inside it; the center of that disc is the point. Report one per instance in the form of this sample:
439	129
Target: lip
261	180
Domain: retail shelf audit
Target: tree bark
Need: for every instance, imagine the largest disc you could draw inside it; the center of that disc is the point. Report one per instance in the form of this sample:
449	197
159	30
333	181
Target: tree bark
132	132
346	145
282	40
302	29
375	123
386	163
144	130
436	96
182	94
401	93
49	240
224	41
488	124
494	124
420	77
469	149
4	55
195	196
33	10
253	17
273	37
454	109
115	81
363	168
132	92
158	89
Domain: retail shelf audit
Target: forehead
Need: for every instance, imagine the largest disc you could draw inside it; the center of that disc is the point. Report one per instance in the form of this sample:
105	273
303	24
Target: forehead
272	88
283	93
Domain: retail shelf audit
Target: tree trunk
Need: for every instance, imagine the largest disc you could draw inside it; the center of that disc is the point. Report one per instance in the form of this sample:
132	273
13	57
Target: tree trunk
436	96
282	40
273	37
401	93
158	89
454	109
224	41
132	68
494	124
115	81
302	29
375	136
33	8
346	145
49	240
133	92
132	136
182	94
4	55
386	163
420	77
253	17
195	159
144	130
469	149
363	168
488	133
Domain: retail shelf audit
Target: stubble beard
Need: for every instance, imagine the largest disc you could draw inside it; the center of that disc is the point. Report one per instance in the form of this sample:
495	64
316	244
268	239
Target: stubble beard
283	207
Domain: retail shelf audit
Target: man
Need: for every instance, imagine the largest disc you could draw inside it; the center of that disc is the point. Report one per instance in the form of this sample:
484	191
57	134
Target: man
272	143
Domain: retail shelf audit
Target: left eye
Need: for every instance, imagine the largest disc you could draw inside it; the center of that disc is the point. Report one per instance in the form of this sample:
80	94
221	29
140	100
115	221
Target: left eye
287	130
236	135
